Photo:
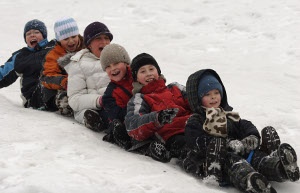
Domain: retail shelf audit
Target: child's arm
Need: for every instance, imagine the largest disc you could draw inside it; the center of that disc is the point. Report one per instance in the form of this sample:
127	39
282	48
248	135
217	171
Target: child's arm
140	122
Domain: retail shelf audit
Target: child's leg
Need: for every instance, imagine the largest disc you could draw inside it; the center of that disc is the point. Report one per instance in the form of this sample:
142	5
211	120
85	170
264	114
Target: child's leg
215	158
177	146
270	140
244	177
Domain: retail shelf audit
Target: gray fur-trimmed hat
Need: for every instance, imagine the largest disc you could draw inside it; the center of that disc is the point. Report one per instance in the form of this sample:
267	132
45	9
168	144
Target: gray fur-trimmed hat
113	53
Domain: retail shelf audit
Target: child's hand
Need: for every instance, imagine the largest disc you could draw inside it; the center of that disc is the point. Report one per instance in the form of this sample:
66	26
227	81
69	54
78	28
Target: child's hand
250	143
166	116
236	146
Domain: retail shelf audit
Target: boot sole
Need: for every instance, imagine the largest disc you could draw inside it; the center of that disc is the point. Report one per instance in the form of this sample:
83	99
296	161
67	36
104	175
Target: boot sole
257	183
288	159
270	135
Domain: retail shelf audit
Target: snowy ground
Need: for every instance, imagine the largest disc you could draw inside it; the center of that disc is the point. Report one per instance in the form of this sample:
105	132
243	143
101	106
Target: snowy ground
253	45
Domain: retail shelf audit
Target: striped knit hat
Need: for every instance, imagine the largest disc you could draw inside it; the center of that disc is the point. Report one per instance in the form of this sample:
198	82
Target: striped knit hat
65	27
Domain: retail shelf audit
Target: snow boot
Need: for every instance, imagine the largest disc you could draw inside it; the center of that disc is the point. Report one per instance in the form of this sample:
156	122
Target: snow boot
61	101
270	140
215	158
121	137
93	120
288	158
158	152
193	163
244	177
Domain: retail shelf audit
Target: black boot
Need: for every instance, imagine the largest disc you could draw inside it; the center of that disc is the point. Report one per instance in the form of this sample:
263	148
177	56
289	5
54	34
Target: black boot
215	158
288	159
121	137
244	177
93	120
158	152
193	163
270	140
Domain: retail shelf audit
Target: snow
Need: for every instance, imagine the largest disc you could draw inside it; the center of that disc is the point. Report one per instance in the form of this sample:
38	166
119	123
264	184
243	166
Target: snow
253	45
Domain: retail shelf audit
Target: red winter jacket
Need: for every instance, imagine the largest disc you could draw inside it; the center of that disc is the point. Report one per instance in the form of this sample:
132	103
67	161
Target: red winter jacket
142	111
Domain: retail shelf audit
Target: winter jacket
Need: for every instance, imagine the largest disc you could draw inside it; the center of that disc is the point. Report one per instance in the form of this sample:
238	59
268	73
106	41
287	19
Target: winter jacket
196	137
86	82
27	64
142	111
54	77
116	97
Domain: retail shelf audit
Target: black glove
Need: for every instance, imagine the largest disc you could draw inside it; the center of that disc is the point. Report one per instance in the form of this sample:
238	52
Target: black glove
166	116
250	143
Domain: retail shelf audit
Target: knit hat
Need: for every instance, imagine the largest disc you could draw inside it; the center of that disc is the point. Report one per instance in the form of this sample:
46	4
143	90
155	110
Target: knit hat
142	60
207	83
113	53
65	27
94	29
37	25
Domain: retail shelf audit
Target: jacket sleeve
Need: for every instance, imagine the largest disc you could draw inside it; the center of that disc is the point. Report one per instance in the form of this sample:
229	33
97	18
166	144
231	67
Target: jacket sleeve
7	73
196	138
243	129
140	122
79	98
110	105
52	75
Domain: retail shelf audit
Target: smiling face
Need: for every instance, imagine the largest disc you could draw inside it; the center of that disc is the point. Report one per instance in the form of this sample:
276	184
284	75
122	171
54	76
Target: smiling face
212	99
117	71
98	43
147	74
33	37
71	43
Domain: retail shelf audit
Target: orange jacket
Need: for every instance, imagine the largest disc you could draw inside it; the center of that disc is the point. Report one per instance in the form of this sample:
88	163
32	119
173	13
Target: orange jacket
54	76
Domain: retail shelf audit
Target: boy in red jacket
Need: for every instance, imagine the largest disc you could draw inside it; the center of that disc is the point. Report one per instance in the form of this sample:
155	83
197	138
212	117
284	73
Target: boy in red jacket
156	111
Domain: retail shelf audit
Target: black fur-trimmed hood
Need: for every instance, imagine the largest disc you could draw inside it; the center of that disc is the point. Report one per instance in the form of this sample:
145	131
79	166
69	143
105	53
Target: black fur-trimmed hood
192	91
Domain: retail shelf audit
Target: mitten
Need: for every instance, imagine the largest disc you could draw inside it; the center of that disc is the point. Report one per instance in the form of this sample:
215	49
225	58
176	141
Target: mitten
236	146
167	115
250	143
99	102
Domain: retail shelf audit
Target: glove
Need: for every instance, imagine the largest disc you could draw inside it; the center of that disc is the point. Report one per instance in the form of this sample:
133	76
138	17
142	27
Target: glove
99	103
236	146
250	143
166	116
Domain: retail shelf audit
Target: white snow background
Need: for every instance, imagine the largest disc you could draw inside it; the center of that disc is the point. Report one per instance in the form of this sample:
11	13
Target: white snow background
253	45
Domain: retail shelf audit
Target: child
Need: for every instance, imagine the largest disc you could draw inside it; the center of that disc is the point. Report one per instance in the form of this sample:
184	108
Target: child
220	141
86	79
115	62
54	77
27	64
156	111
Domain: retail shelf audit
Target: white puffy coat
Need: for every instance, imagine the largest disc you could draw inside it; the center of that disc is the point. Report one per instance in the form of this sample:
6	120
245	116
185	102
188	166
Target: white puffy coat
86	82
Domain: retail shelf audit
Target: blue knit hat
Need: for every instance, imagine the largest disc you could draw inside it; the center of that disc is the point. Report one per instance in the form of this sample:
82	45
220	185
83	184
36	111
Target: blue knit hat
35	24
65	28
207	83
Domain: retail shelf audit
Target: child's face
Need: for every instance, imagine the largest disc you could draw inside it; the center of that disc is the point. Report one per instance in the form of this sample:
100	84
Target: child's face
98	43
117	71
70	44
146	74
211	99
33	37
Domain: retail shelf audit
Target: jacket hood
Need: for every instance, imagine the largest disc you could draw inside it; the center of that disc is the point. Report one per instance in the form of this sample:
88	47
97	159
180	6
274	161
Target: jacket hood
192	91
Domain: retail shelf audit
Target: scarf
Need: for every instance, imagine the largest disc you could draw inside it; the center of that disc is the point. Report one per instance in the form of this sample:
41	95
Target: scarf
216	121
